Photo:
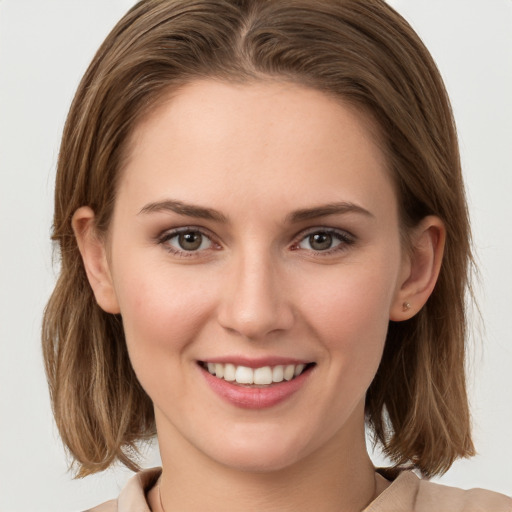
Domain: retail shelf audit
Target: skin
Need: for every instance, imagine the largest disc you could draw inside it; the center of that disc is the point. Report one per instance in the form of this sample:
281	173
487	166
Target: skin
255	154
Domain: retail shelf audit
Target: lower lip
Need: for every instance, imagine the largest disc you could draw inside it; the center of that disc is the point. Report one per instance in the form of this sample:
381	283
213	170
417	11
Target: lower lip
255	398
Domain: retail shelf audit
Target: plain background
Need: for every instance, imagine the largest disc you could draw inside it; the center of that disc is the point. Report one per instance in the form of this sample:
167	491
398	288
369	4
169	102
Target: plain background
45	46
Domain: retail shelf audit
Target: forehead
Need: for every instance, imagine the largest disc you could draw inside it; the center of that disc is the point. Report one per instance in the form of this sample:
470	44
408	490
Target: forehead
210	138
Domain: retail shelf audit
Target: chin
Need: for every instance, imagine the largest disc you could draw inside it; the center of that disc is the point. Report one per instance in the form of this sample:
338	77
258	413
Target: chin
259	461
258	452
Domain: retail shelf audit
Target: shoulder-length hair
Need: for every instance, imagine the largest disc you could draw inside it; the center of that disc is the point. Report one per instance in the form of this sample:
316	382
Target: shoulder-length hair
360	51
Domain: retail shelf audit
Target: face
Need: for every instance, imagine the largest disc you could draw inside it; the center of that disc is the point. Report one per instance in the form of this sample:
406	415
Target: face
255	237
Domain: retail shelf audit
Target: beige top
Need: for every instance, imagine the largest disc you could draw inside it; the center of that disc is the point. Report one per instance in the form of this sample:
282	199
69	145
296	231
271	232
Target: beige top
405	494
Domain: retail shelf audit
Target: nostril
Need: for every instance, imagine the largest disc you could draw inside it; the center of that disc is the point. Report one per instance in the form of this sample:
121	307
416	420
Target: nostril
253	304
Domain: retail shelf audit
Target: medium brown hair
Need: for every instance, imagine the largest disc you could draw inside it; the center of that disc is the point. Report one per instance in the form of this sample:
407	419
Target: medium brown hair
360	51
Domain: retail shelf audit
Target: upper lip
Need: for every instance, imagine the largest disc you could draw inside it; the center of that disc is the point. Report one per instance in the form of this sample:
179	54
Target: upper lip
257	362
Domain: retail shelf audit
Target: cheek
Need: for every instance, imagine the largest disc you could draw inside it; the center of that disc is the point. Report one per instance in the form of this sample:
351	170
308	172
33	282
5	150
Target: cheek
348	311
354	301
161	310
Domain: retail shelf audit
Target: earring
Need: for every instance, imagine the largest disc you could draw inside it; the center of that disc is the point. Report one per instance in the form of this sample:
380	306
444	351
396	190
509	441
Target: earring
406	306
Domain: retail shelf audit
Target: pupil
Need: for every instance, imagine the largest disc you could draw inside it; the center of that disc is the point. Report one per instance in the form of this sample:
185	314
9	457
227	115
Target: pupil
190	241
320	241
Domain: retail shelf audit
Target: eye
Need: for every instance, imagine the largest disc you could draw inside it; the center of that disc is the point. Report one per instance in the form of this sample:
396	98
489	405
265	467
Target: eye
186	240
325	240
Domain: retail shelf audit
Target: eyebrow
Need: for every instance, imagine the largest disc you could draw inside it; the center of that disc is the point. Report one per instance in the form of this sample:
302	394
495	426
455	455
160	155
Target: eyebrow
200	212
181	208
327	209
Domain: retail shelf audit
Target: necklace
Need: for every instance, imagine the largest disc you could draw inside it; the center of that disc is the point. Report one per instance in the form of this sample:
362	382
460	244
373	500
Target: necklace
160	496
375	489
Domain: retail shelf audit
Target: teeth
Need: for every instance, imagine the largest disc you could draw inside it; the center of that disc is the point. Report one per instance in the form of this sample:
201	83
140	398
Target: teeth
219	370
244	375
263	375
278	373
229	372
289	372
299	369
259	376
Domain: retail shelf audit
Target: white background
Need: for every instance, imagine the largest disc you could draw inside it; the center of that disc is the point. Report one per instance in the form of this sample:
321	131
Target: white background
45	46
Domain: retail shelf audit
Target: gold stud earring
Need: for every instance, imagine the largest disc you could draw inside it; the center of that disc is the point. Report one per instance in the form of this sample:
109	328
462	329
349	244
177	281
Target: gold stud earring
406	306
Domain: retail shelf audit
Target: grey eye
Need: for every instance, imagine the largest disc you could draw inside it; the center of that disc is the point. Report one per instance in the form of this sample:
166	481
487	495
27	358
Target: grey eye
320	241
190	241
324	241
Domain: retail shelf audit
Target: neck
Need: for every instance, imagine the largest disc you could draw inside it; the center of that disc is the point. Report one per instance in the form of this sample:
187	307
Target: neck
337	477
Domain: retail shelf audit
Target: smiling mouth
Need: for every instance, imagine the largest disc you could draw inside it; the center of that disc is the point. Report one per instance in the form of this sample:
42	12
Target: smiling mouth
263	376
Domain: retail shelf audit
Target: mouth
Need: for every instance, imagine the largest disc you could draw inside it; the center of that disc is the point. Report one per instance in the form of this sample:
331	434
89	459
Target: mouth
263	376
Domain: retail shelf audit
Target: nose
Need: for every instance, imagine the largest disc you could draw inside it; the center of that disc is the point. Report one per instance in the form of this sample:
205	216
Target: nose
255	301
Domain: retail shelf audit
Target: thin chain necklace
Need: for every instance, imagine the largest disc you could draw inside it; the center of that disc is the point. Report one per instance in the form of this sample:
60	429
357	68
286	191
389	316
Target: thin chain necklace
160	496
163	509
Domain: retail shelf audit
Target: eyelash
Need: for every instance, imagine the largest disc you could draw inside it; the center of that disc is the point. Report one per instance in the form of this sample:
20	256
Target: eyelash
169	235
345	239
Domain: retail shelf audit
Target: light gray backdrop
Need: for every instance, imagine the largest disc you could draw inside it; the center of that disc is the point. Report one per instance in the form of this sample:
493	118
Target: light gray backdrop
45	46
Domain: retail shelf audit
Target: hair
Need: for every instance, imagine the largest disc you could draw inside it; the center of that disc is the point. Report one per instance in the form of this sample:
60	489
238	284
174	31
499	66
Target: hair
360	51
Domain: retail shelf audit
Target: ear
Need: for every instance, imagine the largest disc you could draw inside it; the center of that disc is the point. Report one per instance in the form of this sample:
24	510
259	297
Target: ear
94	255
420	270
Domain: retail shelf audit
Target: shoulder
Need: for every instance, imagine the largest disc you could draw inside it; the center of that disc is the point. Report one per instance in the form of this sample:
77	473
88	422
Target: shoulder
133	495
108	506
408	493
439	497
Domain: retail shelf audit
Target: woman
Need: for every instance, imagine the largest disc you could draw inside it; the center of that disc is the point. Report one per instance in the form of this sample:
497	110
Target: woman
264	244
